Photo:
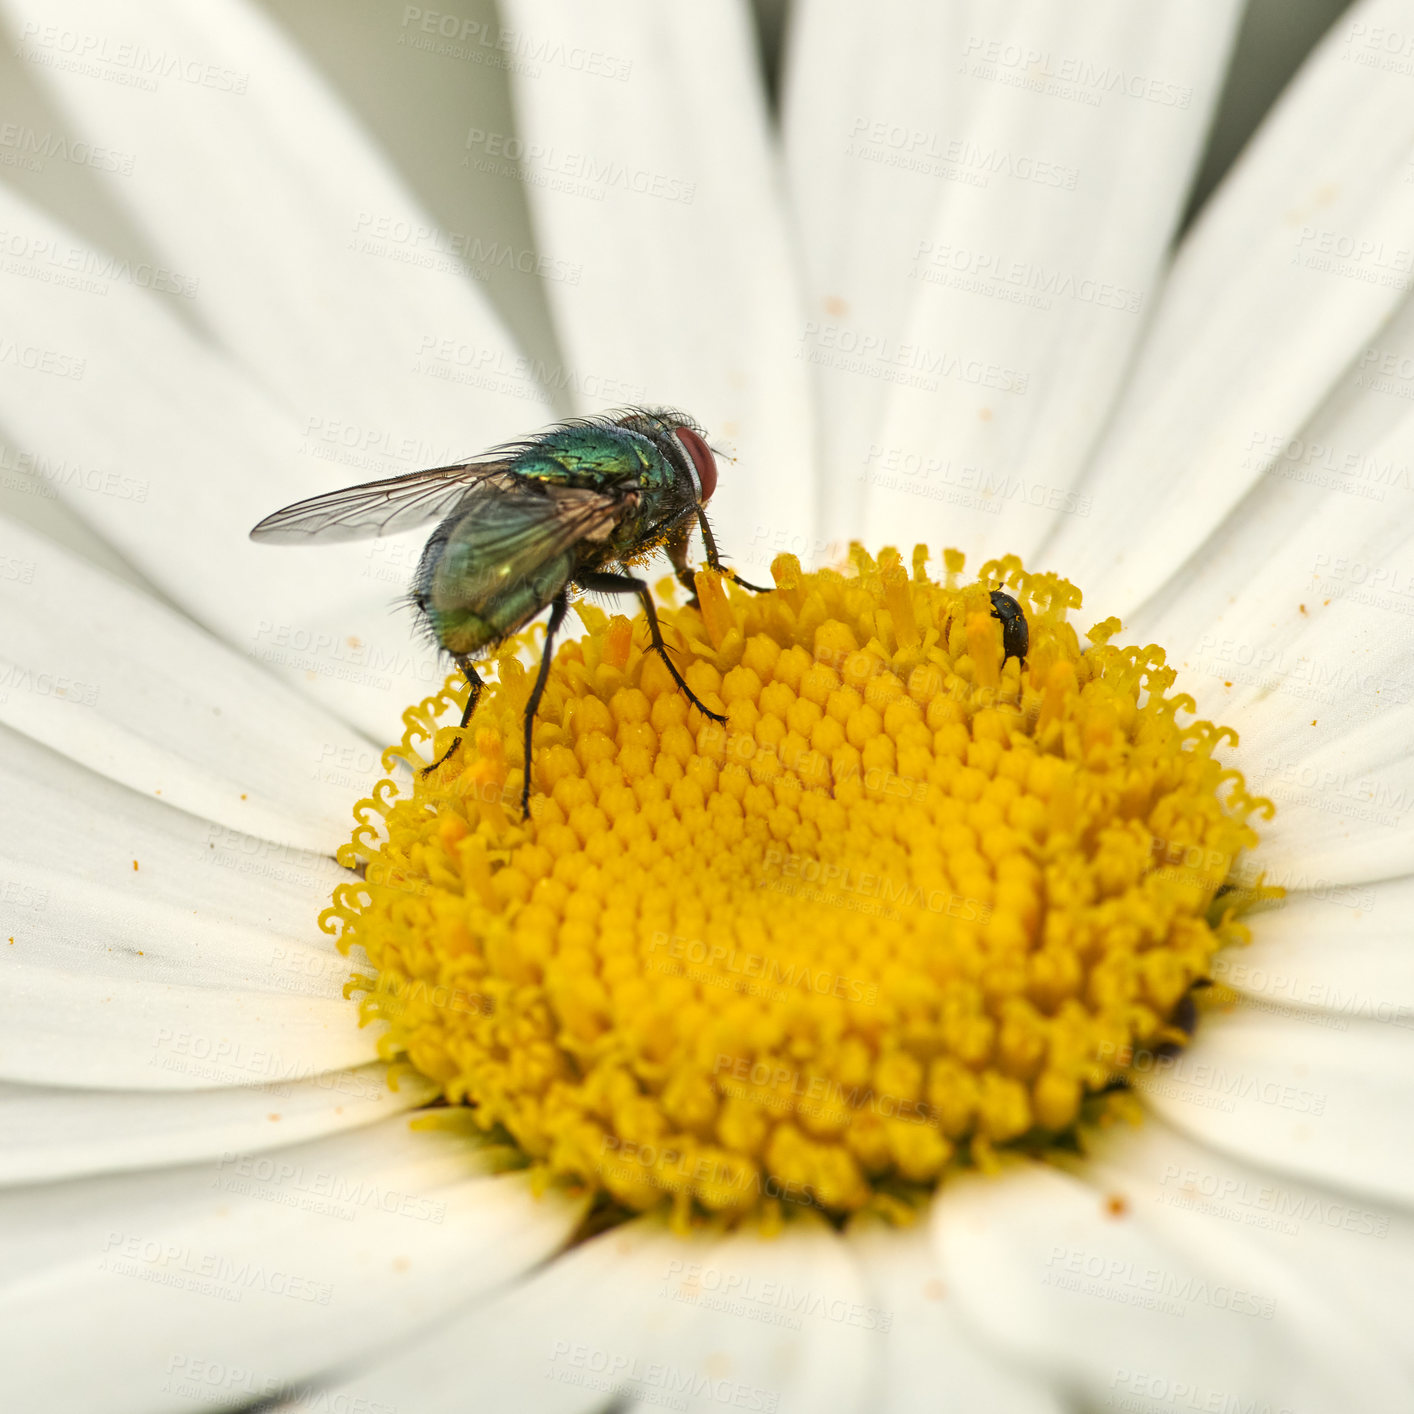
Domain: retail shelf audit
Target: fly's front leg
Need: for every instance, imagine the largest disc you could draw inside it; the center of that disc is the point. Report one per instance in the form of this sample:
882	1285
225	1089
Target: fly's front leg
676	547
714	561
557	617
474	682
603	583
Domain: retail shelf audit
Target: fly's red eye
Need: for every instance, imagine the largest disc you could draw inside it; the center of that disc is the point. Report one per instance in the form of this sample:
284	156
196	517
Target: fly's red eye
701	462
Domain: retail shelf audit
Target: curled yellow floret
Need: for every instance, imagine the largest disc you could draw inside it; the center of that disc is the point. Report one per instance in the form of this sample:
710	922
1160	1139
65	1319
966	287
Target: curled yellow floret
915	901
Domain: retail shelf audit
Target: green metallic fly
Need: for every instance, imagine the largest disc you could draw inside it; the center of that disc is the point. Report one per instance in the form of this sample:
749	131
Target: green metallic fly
524	524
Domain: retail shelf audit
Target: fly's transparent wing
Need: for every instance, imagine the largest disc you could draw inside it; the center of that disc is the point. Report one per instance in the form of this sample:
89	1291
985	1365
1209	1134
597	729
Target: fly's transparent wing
377	507
521	522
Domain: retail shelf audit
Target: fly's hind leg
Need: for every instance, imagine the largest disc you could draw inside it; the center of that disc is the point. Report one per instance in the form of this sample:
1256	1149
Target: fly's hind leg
557	617
474	682
602	583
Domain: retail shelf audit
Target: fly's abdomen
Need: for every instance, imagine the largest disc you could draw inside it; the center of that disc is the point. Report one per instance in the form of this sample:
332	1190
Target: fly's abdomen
472	601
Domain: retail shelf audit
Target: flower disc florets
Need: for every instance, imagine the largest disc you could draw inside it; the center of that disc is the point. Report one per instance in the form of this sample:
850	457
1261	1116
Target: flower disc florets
913	902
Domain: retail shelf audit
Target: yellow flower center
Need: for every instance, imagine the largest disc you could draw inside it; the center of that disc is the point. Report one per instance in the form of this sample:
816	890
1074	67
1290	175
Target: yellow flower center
916	900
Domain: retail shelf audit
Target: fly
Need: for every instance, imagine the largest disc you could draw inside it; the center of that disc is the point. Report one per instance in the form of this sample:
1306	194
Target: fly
522	525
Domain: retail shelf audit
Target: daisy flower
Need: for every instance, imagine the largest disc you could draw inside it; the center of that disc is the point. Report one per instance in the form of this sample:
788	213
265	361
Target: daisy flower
952	1027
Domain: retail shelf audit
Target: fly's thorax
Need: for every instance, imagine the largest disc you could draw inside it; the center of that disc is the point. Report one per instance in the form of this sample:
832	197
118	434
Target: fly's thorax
597	458
658	515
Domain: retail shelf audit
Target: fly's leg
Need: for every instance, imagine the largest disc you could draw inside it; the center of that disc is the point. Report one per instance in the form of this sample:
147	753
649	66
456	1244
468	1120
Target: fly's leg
627	584
714	560
473	697
557	617
676	547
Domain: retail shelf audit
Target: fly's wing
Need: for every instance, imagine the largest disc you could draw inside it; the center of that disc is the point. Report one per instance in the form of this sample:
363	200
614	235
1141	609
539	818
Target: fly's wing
378	507
520	521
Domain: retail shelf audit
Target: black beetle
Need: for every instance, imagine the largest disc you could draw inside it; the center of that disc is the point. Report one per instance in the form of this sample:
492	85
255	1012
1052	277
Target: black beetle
1016	638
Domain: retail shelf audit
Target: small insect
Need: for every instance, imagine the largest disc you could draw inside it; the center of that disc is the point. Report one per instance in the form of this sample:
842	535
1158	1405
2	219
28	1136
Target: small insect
524	524
1016	637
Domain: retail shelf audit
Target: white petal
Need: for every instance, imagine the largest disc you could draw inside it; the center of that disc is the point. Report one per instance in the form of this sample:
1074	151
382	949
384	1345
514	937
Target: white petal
654	191
1316	672
307	257
56	1134
1128	1307
1335	959
1358	1256
176	456
784	1320
559	1341
274	1266
929	1358
203	965
703	1323
1284	280
861	203
1029	294
1286	1090
119	682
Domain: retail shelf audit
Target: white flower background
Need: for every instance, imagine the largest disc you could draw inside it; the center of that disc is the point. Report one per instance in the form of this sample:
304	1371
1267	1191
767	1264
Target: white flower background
941	301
